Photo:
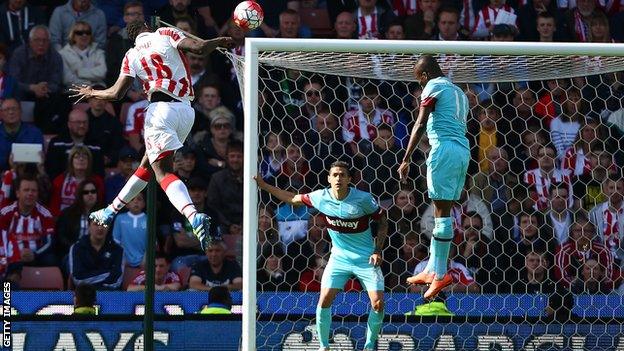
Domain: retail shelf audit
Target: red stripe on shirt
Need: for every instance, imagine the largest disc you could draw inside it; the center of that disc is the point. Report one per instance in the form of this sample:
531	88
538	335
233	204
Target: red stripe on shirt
305	198
428	102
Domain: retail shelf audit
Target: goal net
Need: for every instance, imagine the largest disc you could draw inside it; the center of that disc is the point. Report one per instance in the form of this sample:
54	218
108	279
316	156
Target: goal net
537	249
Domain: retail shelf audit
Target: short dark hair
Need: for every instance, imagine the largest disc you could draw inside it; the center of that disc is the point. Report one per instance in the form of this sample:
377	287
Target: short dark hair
2	101
27	177
370	89
411	236
191	22
85	295
545	14
448	9
396	22
220	294
130	4
341	164
160	254
429	64
135	28
197	183
214	86
384	126
289	12
235	146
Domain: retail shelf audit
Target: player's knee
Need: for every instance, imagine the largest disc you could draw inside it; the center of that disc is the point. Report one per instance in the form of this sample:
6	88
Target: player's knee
378	305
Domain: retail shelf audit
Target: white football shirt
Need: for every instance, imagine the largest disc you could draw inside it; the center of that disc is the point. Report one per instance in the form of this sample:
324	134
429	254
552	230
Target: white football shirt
157	62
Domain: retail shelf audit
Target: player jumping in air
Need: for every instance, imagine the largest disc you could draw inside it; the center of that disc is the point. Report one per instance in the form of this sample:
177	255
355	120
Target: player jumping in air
443	109
157	60
347	213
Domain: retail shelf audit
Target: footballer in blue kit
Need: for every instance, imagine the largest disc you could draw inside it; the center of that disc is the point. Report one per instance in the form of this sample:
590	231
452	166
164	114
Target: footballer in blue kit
443	112
355	252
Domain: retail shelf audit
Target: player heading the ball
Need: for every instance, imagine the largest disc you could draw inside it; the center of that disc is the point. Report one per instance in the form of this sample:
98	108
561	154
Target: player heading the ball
157	59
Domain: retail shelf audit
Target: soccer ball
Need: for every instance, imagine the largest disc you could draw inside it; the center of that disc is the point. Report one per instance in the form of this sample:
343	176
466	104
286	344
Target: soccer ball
248	15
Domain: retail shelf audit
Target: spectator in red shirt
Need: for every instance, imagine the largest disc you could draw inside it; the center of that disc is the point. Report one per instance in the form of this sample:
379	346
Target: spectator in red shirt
79	169
164	280
549	105
27	227
540	179
372	20
18	170
584	245
133	129
576	21
359	125
576	156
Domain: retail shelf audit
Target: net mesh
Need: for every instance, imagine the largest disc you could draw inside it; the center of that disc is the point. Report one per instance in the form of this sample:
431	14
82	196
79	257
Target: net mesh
461	68
536	255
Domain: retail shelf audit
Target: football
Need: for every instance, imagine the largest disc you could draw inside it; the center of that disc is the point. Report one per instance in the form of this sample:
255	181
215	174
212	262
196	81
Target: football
248	15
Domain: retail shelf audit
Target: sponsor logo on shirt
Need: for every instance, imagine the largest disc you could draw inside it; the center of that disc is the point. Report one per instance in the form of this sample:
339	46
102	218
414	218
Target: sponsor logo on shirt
341	223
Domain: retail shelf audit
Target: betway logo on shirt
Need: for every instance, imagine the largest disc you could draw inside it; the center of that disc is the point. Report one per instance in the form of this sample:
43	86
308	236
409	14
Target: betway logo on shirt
342	223
347	226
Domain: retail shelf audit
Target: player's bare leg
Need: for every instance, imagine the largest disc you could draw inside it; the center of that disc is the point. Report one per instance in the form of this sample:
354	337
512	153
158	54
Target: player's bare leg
375	319
323	316
135	184
441	240
179	197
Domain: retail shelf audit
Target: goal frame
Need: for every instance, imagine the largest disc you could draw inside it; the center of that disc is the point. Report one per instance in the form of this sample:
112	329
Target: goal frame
253	46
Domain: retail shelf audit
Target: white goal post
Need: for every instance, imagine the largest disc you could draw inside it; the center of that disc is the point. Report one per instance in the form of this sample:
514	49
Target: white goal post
539	61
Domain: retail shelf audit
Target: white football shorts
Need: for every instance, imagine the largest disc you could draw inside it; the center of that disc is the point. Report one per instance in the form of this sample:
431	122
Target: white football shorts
167	124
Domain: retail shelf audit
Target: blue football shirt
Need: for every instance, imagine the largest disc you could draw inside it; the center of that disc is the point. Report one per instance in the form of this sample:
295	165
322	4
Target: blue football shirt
448	118
348	222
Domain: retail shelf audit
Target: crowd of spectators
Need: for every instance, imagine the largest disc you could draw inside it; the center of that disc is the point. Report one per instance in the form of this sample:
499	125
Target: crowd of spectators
542	209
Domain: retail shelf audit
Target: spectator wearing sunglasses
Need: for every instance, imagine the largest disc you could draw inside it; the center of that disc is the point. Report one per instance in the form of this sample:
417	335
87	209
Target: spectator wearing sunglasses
64	17
83	62
73	221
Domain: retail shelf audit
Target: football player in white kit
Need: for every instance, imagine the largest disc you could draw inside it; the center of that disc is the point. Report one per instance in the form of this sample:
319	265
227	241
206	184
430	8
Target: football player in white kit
157	59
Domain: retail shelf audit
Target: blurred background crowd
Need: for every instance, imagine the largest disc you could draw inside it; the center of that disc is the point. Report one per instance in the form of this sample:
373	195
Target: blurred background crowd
543	206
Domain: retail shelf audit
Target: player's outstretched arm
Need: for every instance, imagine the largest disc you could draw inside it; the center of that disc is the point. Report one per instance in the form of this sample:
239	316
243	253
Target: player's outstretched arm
282	195
116	92
417	132
204	47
